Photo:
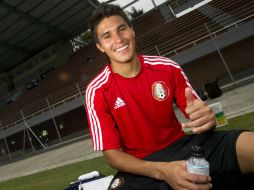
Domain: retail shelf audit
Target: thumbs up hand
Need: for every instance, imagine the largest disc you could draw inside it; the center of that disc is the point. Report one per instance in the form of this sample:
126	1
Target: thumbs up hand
189	97
200	114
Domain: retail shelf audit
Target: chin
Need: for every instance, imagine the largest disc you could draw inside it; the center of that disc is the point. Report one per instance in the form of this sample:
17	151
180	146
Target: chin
126	59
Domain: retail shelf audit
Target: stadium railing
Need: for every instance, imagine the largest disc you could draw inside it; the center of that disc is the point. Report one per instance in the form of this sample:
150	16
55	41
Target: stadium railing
57	92
184	39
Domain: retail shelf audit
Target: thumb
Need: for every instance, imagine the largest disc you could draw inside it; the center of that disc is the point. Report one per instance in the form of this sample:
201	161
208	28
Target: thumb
189	96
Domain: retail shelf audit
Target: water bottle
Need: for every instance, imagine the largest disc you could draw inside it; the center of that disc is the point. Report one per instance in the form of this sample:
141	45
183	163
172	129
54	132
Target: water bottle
197	163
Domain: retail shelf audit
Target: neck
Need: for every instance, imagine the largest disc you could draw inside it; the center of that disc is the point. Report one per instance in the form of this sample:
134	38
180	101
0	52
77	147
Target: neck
129	69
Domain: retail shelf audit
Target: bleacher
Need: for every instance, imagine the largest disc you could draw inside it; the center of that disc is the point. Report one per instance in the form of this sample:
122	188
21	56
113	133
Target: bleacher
171	32
239	9
142	24
60	85
169	36
175	4
152	30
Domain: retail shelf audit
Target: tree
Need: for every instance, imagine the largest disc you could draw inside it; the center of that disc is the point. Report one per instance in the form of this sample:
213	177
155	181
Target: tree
87	36
135	13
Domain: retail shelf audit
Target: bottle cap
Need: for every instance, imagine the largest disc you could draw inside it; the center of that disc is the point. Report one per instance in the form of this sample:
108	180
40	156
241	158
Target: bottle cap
197	151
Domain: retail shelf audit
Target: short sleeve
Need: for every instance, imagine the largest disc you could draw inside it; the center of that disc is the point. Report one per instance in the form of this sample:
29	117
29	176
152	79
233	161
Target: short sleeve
180	83
103	130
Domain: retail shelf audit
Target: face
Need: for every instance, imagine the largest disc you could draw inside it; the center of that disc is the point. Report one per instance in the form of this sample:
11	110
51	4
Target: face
116	39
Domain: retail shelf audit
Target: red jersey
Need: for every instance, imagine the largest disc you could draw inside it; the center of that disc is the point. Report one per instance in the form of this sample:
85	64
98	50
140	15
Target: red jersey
136	114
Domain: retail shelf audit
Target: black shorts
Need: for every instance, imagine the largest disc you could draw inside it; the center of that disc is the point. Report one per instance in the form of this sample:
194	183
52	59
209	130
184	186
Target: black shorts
220	151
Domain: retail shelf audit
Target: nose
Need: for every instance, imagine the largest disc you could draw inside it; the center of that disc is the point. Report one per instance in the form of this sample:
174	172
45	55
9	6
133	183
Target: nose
117	38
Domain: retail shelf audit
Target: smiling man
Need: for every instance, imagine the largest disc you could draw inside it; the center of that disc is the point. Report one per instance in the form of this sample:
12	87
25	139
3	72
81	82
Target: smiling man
117	40
131	118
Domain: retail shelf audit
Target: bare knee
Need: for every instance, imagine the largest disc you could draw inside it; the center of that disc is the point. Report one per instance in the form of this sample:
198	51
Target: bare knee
245	151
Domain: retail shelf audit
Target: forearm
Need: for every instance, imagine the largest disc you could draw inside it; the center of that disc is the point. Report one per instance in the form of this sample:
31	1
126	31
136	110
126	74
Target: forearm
174	173
128	163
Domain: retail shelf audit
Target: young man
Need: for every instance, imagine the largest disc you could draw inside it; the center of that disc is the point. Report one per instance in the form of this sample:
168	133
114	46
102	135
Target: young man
131	118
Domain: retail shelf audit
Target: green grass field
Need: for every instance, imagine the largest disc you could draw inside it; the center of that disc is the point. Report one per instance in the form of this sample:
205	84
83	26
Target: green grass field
59	178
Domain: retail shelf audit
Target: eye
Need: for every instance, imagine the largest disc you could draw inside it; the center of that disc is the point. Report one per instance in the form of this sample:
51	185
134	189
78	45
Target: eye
122	28
106	36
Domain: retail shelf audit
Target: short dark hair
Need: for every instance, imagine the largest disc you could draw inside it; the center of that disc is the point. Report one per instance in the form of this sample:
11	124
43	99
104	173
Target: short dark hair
105	10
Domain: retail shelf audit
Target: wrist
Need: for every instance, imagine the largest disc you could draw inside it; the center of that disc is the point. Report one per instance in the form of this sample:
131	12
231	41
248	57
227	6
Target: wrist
159	171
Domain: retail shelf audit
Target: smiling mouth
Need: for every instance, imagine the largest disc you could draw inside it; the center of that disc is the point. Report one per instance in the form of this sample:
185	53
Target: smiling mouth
122	48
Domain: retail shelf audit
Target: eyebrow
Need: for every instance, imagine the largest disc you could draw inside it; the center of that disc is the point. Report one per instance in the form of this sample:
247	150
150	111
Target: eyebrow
118	27
121	25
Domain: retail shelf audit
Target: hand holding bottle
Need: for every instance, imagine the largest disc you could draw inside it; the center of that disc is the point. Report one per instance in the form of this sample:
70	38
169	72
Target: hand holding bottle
176	175
197	163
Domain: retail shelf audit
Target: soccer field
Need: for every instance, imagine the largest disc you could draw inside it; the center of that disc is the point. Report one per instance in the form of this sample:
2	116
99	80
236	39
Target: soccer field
59	178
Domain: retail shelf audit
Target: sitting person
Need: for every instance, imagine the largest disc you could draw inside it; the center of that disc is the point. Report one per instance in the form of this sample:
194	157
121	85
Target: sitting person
131	118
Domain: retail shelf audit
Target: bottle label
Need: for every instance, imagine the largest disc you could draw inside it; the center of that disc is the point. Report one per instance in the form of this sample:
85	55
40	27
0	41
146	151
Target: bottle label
221	119
200	170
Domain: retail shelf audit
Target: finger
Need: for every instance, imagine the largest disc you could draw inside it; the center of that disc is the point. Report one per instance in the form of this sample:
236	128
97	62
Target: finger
206	127
194	181
189	97
198	179
196	105
206	186
200	121
199	125
198	113
196	123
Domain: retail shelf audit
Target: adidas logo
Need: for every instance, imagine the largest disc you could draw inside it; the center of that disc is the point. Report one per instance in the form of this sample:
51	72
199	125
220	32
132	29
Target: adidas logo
119	103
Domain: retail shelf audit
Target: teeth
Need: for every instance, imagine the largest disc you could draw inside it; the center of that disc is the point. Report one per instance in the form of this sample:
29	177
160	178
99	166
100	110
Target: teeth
122	48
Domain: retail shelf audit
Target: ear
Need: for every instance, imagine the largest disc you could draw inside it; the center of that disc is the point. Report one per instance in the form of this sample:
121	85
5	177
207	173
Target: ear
133	32
98	45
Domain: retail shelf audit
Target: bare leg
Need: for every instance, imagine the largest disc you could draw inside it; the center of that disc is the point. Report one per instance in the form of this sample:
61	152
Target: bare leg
245	152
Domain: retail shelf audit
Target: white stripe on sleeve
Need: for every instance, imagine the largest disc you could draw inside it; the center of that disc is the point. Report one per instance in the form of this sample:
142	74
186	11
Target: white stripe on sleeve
94	120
